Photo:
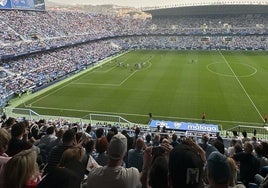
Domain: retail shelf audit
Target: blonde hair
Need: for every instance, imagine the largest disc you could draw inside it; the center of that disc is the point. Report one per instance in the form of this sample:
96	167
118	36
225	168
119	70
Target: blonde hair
233	171
71	154
20	168
4	139
156	137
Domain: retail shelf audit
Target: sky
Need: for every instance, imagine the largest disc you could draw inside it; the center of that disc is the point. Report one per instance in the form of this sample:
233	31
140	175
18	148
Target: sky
146	3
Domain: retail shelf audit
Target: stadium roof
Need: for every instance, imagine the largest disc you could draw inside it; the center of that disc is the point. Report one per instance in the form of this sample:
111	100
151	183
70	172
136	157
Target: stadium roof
208	10
157	3
185	7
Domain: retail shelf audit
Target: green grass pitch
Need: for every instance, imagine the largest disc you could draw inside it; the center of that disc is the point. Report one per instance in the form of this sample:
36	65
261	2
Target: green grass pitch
231	87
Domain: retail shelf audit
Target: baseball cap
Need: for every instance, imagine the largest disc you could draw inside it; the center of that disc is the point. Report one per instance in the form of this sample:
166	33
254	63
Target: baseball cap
185	167
218	167
117	146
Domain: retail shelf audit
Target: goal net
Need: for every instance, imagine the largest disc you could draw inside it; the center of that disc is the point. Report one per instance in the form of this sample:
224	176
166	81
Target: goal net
22	113
105	119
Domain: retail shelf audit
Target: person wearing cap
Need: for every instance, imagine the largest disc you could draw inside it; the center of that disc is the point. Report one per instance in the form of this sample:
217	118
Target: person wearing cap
114	175
186	166
219	171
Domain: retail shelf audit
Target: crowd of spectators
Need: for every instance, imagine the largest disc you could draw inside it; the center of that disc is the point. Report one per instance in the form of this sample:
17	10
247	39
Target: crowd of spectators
24	31
44	154
30	72
39	48
194	42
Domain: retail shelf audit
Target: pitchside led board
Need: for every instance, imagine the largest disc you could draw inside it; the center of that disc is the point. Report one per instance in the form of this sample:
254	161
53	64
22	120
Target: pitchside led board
182	126
22	4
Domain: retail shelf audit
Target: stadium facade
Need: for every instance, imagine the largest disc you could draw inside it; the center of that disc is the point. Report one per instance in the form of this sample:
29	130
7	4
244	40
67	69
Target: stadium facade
218	9
199	7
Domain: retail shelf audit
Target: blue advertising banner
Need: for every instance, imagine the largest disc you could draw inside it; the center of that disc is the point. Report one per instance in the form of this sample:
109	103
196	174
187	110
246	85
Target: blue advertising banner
182	126
5	4
22	4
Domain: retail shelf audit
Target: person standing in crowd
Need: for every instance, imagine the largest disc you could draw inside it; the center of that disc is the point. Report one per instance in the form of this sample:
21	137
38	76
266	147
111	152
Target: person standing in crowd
9	123
259	155
249	164
60	178
4	139
136	136
207	147
72	159
55	155
135	156
101	151
230	150
89	146
114	175
90	132
148	139
186	166
219	171
155	168
3	117
48	137
233	170
245	137
174	138
156	139
99	133
58	141
22	170
158	173
45	142
19	139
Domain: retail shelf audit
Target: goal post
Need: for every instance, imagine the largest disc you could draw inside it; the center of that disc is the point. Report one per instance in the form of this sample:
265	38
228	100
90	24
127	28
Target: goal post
107	119
22	113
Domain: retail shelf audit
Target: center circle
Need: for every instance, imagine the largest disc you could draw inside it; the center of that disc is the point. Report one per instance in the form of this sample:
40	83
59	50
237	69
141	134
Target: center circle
221	69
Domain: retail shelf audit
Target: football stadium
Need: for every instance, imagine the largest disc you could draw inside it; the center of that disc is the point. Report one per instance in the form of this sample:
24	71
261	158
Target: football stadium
194	69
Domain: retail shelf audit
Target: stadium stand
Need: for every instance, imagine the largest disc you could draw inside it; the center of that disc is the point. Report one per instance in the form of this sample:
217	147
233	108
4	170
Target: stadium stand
46	33
40	48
